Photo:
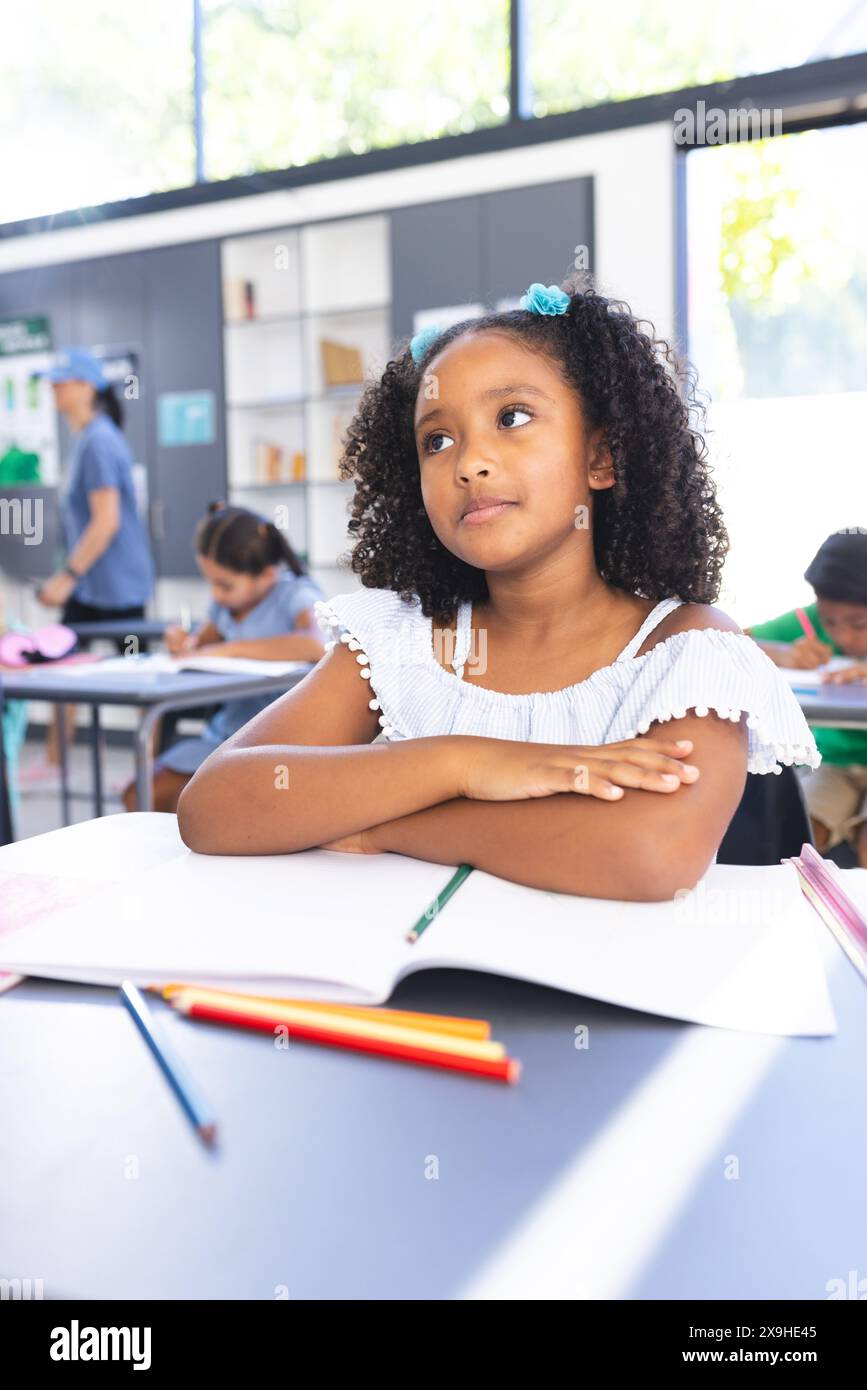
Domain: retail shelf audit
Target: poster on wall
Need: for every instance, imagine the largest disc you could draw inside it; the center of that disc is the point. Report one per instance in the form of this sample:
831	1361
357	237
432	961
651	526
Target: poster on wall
186	417
28	420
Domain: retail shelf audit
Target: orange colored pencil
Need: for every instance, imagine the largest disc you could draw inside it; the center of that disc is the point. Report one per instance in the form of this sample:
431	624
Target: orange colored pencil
352	1027
508	1069
478	1028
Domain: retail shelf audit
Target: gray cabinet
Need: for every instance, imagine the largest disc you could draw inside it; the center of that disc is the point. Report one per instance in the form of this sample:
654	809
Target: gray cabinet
488	247
530	234
435	258
108	309
183	352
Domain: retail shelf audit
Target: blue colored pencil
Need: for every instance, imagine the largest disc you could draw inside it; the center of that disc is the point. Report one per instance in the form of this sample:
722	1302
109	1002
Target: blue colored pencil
173	1068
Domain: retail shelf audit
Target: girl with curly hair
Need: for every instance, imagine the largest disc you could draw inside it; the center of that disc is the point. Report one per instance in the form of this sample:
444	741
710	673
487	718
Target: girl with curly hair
532	678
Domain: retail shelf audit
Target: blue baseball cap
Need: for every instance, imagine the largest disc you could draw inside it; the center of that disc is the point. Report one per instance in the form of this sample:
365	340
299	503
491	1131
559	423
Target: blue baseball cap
77	364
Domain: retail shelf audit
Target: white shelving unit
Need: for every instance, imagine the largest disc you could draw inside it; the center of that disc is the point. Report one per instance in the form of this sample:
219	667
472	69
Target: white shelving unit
285	293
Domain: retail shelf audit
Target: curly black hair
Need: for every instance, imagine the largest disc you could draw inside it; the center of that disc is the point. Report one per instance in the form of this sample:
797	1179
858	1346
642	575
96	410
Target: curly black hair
657	533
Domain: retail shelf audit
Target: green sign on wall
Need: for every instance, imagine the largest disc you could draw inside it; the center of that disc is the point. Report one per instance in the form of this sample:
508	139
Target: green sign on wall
24	335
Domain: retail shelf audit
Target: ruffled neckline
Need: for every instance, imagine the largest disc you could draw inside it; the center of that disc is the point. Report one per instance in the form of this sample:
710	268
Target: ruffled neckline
507	697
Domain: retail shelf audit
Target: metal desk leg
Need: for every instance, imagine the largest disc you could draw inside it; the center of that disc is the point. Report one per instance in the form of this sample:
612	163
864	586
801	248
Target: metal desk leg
7	833
64	764
144	761
96	758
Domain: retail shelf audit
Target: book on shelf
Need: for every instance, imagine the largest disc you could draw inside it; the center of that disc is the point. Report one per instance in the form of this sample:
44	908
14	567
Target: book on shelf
239	298
342	365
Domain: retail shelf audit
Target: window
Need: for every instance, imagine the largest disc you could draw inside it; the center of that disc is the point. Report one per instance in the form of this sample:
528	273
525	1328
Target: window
777	267
582	54
287	83
98	102
95	103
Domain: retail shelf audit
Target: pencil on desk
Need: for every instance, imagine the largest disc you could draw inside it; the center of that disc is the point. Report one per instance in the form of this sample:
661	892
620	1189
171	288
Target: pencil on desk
478	1028
293	1015
819	871
439	902
172	1066
507	1069
833	905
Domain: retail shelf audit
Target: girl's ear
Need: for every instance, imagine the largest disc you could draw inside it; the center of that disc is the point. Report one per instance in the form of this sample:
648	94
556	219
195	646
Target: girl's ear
600	464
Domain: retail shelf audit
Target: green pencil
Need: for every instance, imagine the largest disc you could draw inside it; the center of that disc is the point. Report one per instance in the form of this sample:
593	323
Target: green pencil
439	902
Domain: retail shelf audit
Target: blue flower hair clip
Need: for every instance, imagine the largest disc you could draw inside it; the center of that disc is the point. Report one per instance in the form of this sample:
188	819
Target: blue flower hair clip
545	299
421	342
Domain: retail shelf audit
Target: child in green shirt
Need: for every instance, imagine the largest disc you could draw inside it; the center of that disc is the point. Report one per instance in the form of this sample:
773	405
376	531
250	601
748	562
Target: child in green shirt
836	792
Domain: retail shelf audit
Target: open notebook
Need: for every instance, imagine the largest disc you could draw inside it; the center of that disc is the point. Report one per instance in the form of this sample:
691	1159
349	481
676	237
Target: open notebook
160	663
812	679
740	951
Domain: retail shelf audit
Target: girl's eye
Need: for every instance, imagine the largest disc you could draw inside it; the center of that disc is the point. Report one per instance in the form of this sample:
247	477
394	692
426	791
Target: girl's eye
511	411
430	443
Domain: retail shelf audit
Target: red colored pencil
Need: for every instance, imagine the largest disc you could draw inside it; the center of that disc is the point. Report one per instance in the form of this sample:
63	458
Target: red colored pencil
803	619
507	1070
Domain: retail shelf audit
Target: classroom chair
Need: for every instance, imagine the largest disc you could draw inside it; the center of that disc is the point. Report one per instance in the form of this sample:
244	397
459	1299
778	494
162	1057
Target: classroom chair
771	822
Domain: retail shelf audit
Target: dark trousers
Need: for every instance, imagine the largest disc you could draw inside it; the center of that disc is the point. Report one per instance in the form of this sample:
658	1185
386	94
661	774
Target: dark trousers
75	612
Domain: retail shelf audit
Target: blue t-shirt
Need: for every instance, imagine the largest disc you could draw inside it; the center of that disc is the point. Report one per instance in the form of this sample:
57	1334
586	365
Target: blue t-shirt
123	575
277	613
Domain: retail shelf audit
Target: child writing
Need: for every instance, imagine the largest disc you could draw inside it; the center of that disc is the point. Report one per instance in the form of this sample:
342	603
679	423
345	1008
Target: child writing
836	794
262	607
554	698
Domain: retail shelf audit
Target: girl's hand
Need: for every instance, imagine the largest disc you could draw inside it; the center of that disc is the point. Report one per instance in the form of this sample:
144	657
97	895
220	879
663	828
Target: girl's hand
858	672
217	649
809	652
178	640
361	842
497	769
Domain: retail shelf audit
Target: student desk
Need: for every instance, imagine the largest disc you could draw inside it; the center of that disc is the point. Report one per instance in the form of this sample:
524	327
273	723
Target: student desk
837	707
154	692
146	629
664	1160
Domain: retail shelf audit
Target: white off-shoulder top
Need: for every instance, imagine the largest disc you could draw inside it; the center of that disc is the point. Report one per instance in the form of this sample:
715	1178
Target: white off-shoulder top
703	670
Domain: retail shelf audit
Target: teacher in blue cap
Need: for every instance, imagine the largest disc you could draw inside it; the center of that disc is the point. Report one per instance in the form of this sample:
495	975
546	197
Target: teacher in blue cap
109	571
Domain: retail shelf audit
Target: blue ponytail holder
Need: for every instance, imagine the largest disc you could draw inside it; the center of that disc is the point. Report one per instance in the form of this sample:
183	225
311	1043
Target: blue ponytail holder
421	342
545	299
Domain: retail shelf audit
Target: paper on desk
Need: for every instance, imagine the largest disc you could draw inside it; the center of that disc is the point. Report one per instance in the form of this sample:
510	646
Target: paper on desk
812	679
29	898
163	664
739	952
30	892
318	924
